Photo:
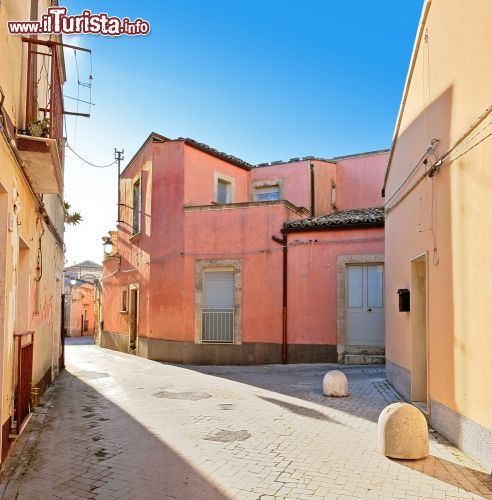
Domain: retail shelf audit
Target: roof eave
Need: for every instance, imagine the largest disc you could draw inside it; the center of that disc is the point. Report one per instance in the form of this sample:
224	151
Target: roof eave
304	229
216	154
416	46
152	137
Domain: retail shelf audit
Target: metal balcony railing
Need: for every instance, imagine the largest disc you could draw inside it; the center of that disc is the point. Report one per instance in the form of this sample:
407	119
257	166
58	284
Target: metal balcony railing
218	325
44	98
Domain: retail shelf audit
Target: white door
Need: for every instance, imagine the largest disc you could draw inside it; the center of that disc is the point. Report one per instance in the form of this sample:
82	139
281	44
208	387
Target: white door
365	308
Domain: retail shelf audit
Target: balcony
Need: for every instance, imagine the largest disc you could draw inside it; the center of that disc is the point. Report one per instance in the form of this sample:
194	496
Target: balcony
41	142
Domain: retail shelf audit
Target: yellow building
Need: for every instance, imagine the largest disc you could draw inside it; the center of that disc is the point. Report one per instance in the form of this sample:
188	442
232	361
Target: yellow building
438	198
31	215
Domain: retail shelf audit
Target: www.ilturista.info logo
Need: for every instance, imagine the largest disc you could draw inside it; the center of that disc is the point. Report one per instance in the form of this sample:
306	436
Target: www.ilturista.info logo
57	22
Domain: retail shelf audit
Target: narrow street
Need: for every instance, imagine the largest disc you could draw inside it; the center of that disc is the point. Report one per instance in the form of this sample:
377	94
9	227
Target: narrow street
119	426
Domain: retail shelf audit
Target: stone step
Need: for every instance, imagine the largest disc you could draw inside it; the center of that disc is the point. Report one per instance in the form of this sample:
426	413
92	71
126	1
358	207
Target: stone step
364	359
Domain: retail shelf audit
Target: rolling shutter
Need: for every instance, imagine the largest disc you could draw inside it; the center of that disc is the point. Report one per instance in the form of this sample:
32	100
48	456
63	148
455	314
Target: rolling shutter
218	289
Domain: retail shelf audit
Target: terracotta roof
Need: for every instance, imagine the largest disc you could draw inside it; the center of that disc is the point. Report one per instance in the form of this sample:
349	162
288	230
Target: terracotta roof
86	263
335	159
359	216
365	153
215	152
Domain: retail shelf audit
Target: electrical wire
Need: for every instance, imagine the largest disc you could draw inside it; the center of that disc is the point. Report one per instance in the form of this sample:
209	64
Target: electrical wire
87	161
267	250
78	91
457	146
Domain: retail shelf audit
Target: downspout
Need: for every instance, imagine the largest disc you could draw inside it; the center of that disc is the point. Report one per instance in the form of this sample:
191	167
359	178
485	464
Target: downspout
313	195
283	241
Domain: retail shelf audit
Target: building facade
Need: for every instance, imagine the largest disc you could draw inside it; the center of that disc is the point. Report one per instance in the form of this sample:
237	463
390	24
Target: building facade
83	299
31	216
204	268
80	308
438	194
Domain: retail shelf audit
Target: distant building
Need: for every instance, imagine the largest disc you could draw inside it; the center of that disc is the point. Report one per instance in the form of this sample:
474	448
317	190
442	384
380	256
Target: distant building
218	261
86	270
438	196
82	298
80	308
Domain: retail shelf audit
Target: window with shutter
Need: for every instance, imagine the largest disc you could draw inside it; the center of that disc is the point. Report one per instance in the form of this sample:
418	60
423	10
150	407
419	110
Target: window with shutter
137	206
218	310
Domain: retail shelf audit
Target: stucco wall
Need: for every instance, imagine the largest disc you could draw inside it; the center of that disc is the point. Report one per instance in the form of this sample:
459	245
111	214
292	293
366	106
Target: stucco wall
359	180
199	188
32	305
247	235
324	176
296	177
82	305
445	216
312	279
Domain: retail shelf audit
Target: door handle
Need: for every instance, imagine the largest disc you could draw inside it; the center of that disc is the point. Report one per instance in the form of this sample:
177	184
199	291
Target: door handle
369	310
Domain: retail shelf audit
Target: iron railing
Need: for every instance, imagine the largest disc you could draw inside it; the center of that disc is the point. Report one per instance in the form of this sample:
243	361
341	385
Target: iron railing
218	325
44	88
22	405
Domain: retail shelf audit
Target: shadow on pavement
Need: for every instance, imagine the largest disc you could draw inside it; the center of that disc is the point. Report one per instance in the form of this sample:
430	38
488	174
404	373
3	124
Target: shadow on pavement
300	410
89	447
86	340
473	481
369	391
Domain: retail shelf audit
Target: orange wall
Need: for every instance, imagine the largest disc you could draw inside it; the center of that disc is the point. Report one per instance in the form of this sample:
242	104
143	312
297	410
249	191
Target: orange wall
162	259
199	178
297	180
312	279
444	216
247	235
82	301
359	181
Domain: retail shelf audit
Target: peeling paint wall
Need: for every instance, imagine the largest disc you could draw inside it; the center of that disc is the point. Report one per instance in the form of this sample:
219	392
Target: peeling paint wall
31	258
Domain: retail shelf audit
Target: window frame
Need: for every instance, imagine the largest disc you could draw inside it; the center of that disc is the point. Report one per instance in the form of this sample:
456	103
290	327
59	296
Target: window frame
272	188
124	300
137	228
230	184
227	187
333	195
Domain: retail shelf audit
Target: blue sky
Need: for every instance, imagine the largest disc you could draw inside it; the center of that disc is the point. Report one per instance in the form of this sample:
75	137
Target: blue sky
264	81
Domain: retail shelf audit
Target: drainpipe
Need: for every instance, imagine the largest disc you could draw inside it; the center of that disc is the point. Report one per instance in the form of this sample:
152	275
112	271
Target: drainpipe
283	241
313	196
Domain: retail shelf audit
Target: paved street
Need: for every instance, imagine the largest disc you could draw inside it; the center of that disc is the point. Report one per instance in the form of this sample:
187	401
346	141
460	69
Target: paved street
119	426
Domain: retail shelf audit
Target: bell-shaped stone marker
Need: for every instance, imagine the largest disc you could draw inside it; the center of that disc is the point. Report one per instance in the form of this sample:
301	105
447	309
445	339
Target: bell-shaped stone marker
335	384
403	432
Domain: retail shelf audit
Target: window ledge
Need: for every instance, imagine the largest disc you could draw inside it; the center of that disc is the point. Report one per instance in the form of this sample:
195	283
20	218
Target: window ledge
135	237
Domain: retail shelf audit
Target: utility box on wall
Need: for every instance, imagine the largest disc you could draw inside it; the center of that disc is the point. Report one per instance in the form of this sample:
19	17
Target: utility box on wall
403	299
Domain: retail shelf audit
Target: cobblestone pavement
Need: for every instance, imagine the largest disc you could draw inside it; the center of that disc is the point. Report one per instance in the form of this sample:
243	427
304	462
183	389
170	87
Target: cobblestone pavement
118	426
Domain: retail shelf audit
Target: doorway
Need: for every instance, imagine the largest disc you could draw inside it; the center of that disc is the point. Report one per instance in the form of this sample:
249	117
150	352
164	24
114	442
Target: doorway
365	306
418	326
133	318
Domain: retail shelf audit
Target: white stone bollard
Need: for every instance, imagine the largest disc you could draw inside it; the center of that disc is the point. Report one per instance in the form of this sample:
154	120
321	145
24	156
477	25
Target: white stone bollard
403	432
335	384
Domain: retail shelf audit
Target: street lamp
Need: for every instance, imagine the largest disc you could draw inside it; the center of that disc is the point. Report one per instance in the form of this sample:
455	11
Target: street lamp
107	245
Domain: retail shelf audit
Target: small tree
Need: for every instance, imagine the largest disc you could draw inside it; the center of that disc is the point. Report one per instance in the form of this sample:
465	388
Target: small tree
72	218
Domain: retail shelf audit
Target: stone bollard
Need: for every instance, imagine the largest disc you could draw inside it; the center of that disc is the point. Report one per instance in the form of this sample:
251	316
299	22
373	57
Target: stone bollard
402	432
335	384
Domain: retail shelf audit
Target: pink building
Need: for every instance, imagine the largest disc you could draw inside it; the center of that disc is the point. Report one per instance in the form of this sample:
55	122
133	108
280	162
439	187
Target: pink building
79	308
218	261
